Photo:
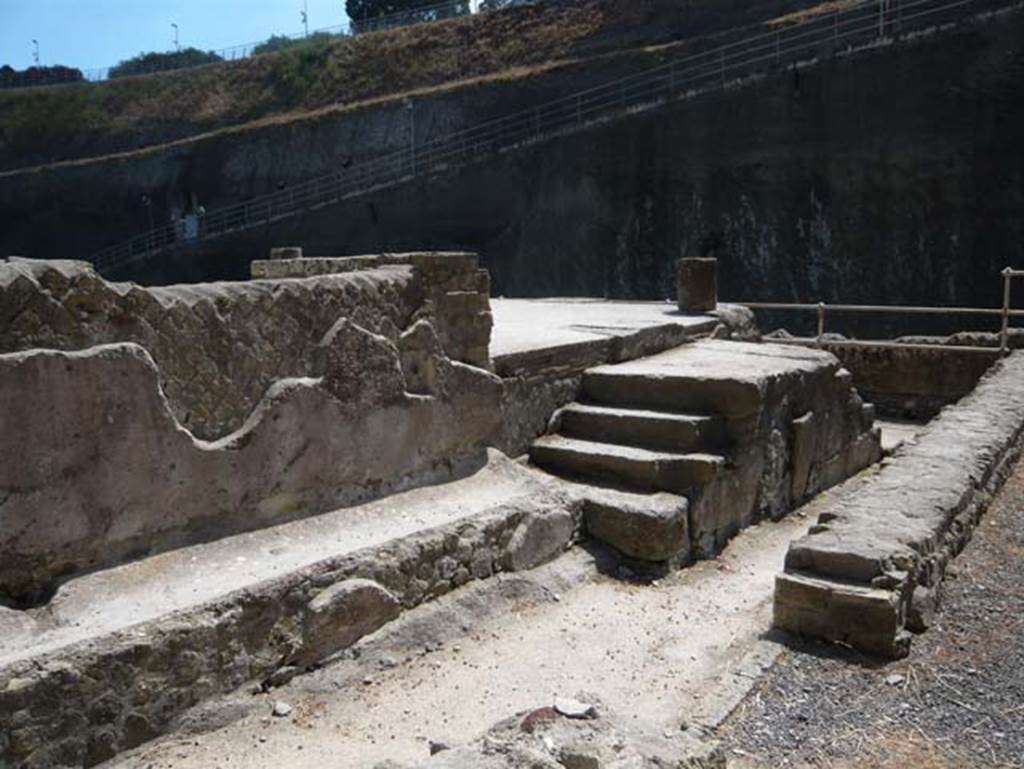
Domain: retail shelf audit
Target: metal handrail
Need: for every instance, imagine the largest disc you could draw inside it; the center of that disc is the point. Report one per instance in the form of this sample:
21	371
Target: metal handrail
653	88
822	308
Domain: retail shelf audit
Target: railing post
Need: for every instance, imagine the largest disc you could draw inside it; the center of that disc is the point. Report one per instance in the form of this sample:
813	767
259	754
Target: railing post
536	121
821	324
579	110
722	64
1005	331
671	80
835	29
778	48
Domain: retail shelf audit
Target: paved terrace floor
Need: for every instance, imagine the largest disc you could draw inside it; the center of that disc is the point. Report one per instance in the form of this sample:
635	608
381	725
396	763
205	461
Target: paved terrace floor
530	325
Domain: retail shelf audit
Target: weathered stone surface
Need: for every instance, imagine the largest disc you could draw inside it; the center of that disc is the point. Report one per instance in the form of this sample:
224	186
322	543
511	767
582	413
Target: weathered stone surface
539	537
697	284
155	670
914	382
218	346
453	290
909	520
555	737
745	430
341	614
870	619
94	473
650	527
361	369
924	602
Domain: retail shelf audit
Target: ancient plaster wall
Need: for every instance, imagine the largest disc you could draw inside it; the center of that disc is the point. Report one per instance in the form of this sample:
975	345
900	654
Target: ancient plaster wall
224	407
219	346
452	288
94	467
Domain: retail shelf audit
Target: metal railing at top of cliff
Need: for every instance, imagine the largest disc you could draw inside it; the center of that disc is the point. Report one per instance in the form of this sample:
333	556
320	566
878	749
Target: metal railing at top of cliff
868	23
42	76
822	309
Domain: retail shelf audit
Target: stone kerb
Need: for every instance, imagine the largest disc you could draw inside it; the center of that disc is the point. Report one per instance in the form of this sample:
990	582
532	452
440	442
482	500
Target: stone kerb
870	570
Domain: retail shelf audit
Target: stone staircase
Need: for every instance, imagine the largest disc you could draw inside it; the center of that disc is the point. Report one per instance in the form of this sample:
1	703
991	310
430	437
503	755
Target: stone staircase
673	454
646	454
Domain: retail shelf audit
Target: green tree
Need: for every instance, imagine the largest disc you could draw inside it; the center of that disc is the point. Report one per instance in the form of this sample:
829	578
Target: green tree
157	62
368	15
283	42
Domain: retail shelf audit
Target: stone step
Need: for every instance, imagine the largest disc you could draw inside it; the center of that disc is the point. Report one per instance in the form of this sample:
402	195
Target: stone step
712	377
643	428
629	465
610	386
648	527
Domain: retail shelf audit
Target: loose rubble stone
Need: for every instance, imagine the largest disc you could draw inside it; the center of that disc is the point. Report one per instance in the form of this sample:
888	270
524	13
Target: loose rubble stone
572	708
281	709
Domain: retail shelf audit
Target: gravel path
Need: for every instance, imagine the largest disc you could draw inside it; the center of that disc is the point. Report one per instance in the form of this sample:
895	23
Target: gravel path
956	701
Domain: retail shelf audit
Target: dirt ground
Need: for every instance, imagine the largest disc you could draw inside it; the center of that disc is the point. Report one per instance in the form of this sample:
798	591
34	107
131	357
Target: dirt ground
659	652
956	701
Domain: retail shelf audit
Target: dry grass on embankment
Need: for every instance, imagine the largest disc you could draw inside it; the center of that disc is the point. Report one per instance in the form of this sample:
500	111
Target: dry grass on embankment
38	125
43	125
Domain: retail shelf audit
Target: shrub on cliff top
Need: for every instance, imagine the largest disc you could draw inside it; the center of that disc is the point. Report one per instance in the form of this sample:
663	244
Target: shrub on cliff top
283	42
158	62
11	78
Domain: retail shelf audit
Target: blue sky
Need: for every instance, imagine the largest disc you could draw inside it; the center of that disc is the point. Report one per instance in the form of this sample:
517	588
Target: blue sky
97	33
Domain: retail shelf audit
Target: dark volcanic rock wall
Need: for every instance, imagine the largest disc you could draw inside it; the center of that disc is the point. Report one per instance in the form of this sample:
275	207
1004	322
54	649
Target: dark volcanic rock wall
896	176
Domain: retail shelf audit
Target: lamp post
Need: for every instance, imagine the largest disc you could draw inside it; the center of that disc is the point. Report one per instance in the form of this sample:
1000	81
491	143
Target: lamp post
177	45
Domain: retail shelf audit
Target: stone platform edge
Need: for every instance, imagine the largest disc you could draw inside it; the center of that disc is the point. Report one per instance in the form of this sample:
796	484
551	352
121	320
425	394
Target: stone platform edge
82	704
872	582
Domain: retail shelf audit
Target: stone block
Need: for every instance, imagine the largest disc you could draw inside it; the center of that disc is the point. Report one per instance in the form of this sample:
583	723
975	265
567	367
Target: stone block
539	537
697	284
648	527
867	618
340	615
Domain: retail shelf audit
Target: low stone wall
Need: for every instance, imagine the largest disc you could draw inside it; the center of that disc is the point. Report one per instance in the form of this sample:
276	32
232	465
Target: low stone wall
219	346
452	287
85	703
869	570
94	467
913	382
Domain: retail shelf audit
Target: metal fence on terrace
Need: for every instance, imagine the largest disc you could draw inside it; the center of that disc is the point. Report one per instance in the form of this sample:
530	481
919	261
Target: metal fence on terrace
838	33
822	309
